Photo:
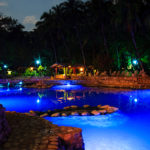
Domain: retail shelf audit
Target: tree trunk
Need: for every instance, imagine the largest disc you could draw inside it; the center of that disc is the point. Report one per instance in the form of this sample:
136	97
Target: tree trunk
118	59
54	48
135	46
81	47
65	45
104	37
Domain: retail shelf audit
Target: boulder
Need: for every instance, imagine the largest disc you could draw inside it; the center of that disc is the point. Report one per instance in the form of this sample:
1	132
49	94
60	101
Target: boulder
72	138
99	106
123	73
102	112
64	114
55	115
74	106
118	73
86	106
84	113
105	107
75	114
127	74
95	112
4	127
103	73
67	107
32	113
44	115
112	109
114	73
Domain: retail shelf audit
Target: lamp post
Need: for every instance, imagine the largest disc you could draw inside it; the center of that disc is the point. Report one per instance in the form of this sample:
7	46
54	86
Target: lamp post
38	62
135	62
5	66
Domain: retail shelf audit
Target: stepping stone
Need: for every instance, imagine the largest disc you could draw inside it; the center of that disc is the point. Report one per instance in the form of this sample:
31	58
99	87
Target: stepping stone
44	115
74	106
99	106
67	107
86	106
102	112
55	115
75	114
84	113
64	114
105	107
95	112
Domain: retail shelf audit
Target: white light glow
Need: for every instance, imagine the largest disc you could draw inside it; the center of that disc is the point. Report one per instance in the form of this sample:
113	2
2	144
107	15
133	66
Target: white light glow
135	100
20	82
38	101
135	62
20	89
38	62
5	66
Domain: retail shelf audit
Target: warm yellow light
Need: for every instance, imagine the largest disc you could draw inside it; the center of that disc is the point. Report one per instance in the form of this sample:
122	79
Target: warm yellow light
31	68
9	72
81	69
69	66
70	98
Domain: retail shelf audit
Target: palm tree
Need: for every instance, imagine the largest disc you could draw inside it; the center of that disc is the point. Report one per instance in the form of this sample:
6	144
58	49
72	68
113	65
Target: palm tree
133	22
47	27
73	12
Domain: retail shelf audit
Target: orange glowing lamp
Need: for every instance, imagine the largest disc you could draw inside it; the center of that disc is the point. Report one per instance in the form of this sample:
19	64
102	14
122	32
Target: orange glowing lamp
81	69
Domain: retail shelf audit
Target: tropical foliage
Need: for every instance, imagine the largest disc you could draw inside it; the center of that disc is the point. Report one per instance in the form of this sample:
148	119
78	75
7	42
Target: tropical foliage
105	34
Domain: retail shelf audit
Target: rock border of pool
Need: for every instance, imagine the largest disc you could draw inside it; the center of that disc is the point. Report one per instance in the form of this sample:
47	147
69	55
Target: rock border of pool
126	82
29	131
85	110
35	133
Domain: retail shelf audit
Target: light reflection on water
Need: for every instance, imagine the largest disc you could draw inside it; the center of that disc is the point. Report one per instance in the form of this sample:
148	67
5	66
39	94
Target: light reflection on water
109	120
110	132
59	96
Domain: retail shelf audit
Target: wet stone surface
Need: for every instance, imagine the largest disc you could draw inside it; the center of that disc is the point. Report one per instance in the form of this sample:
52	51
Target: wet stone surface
4	127
29	133
35	133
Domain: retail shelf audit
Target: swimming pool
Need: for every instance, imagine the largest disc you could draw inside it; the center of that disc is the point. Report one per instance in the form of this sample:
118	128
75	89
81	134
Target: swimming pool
128	129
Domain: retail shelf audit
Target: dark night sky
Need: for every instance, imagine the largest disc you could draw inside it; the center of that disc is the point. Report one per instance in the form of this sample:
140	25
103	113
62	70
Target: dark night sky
27	12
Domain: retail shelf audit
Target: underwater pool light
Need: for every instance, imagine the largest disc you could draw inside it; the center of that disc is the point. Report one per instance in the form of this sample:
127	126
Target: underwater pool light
8	90
38	101
20	89
68	84
8	84
1	86
135	100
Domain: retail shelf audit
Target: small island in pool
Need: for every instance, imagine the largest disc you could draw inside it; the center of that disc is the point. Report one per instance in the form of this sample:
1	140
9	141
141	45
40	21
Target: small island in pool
74	110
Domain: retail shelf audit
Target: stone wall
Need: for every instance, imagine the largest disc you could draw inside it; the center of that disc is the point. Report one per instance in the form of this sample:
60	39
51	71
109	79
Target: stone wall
4	128
71	138
120	82
35	133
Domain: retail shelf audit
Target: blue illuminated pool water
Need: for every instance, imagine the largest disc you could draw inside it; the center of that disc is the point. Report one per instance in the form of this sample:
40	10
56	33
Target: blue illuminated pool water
128	129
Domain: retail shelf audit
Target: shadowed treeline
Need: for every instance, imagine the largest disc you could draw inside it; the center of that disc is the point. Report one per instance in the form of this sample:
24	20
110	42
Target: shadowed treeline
105	34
